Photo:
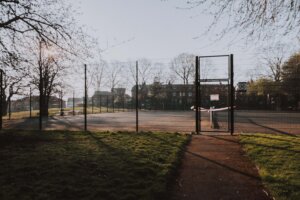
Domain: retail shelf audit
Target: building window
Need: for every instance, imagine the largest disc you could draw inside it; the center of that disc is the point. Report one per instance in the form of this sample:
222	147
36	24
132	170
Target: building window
190	94
182	94
174	94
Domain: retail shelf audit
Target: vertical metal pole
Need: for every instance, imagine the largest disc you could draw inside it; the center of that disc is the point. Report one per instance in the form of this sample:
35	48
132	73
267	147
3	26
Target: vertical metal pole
228	97
9	103
118	105
61	102
100	102
1	98
232	94
85	99
73	102
113	103
30	104
197	95
9	109
41	90
92	105
124	103
107	103
137	98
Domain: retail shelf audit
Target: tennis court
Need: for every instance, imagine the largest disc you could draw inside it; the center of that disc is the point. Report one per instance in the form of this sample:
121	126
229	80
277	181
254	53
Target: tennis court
169	121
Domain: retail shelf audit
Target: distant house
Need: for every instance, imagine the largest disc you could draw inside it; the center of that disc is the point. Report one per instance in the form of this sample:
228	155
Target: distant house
102	98
24	103
117	97
77	102
178	96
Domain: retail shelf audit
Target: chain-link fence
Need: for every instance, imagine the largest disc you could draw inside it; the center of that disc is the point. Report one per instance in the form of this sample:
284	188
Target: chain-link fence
161	95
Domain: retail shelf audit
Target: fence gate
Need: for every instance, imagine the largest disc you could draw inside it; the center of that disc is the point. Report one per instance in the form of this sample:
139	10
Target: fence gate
214	99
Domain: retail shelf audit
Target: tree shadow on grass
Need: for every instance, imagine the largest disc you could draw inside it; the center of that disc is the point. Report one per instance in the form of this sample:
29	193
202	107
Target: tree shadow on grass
123	171
211	160
66	122
270	128
255	144
137	166
292	138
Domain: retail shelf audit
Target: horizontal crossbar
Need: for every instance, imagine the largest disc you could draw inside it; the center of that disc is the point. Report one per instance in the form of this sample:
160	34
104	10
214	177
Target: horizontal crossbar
214	80
213	56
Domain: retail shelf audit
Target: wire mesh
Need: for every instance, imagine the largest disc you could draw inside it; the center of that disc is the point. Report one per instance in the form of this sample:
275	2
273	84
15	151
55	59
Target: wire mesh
165	100
214	94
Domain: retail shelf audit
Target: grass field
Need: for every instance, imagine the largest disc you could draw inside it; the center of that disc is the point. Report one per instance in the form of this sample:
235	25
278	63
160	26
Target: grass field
92	165
278	159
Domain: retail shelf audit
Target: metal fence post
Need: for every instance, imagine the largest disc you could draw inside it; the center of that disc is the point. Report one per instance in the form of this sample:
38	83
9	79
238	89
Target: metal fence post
73	102
197	95
41	90
232	95
85	99
100	102
61	103
107	103
113	103
9	109
30	104
123	103
1	98
92	105
137	97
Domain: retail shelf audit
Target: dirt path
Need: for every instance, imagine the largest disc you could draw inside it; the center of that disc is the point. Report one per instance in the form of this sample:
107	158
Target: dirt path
214	167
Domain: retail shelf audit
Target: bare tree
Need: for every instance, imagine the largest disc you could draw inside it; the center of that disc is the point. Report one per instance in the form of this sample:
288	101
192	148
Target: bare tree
273	58
48	19
97	73
15	74
48	65
145	70
184	67
114	74
159	73
254	17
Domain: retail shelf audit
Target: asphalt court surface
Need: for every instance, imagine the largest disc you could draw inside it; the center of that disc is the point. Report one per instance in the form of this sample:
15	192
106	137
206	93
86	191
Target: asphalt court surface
169	121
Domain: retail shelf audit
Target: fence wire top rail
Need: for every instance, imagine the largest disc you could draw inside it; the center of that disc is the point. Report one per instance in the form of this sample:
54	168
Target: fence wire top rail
214	80
213	56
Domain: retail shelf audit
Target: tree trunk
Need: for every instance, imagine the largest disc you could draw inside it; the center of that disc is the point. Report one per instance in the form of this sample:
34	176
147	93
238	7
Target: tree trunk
4	106
44	107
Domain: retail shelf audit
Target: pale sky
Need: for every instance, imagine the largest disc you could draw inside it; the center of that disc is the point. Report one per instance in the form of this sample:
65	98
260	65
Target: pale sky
155	29
159	30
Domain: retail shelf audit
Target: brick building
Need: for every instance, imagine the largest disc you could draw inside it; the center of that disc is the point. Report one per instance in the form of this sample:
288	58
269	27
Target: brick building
116	98
178	96
24	103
